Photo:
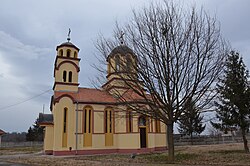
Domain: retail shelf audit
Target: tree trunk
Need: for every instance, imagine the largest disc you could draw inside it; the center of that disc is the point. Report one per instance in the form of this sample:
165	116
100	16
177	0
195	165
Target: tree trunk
245	140
170	137
191	139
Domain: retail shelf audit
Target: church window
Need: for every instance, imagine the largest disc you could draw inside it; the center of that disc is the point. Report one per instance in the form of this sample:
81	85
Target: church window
70	76
129	122
68	53
129	64
87	120
61	53
108	121
64	76
142	121
117	63
75	54
65	120
157	126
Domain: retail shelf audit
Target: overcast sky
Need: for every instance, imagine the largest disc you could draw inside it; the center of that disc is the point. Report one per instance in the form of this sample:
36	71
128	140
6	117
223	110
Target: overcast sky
31	30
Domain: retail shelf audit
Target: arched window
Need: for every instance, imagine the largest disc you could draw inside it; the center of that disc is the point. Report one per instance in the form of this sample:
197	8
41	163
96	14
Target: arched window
65	121
87	126
129	64
61	53
75	54
157	126
129	122
70	76
117	63
108	121
87	120
68	53
64	76
142	121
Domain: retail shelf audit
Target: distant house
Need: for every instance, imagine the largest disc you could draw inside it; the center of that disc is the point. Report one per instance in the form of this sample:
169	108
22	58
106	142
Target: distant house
1	133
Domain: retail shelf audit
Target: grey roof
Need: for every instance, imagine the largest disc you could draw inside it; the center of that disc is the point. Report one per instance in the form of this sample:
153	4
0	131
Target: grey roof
45	118
67	44
122	49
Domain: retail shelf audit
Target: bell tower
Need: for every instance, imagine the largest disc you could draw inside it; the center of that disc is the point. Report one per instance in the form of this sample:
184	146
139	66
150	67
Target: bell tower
66	67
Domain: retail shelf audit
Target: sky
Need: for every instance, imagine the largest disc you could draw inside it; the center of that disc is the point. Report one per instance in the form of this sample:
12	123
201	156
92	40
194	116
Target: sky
30	31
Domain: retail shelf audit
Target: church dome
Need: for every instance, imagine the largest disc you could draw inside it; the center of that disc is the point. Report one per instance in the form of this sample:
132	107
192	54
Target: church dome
67	44
122	50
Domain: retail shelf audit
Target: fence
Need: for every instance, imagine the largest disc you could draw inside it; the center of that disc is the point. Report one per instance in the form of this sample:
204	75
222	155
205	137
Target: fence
208	140
20	144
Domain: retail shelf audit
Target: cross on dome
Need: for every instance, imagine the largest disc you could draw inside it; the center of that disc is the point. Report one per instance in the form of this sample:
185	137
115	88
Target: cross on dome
121	38
69	35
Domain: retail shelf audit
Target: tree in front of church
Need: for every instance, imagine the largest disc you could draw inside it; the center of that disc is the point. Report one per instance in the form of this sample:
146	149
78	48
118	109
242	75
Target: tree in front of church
190	122
233	106
179	56
35	133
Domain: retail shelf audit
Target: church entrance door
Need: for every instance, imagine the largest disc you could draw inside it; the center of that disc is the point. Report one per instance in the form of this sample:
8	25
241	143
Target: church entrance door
143	137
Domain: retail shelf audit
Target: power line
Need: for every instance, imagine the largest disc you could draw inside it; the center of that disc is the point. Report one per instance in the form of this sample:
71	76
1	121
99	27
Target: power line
12	105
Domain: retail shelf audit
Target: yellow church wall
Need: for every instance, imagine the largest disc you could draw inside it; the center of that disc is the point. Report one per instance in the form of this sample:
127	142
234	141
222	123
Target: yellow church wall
58	124
98	141
151	140
120	122
60	60
163	127
160	140
60	87
48	138
66	67
127	141
98	122
135	124
71	125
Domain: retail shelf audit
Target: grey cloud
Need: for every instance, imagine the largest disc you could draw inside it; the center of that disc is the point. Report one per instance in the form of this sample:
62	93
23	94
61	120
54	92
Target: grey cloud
31	30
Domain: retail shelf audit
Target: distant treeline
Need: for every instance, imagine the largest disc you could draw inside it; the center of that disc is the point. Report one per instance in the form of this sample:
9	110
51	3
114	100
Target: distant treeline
14	137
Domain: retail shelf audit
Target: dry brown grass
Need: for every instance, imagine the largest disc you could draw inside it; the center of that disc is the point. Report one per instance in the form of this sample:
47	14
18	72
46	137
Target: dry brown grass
19	150
203	155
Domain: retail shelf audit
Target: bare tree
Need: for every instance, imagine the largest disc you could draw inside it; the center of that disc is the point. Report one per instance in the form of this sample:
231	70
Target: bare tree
179	56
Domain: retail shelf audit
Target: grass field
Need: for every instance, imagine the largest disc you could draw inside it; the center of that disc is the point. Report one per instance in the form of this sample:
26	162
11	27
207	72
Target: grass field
202	155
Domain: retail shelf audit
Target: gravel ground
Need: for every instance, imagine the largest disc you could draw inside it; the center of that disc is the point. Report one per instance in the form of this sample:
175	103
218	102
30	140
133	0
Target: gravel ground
203	155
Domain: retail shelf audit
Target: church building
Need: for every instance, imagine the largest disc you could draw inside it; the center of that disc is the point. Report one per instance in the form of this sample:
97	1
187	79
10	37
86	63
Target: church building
94	121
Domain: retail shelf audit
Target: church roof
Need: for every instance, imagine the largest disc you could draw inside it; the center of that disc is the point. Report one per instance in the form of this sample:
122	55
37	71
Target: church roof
122	49
67	44
87	95
2	132
96	96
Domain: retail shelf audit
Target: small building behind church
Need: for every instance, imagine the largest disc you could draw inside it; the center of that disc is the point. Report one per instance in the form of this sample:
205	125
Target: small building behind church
94	121
1	133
